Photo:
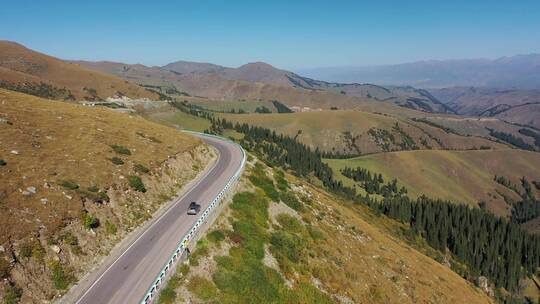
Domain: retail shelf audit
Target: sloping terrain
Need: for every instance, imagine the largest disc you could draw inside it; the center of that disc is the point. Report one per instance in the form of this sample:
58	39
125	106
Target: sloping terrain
188	67
516	106
428	131
404	96
151	77
357	132
261	81
31	72
74	180
313	248
520	71
251	72
460	176
260	72
459	124
527	114
218	88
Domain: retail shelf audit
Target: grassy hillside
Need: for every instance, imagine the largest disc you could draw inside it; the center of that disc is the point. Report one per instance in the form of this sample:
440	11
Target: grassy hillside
248	106
165	114
525	114
74	180
27	71
357	132
260	72
517	106
217	87
460	176
315	248
463	125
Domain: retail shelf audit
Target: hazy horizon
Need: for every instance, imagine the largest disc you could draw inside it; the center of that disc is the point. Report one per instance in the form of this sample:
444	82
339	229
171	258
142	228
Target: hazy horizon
303	34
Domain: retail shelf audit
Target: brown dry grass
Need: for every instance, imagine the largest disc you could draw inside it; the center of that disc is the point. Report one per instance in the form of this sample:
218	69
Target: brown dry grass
215	87
363	258
324	129
24	65
57	141
460	176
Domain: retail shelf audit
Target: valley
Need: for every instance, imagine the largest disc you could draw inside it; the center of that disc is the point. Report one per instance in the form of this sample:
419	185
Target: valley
389	182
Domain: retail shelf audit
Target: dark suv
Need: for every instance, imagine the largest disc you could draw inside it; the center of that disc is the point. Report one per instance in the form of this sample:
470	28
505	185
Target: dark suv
194	208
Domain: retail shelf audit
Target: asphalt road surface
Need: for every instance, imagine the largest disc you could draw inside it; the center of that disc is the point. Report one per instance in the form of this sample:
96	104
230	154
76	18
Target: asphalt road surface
127	279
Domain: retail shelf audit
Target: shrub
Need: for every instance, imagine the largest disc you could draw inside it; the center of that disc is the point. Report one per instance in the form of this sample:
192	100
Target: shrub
282	183
90	221
69	185
61	277
93	188
70	239
304	292
136	183
200	251
5	268
202	288
110	228
289	223
95	196
90	91
216	236
290	200
121	149
141	168
184	270
12	294
287	245
259	179
167	296
316	233
241	278
38	252
2	162
26	250
117	161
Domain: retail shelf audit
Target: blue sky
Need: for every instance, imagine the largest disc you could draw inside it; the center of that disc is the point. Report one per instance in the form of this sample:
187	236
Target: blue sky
288	34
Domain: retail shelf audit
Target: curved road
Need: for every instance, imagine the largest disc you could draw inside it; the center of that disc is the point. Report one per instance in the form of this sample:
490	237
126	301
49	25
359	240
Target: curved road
128	278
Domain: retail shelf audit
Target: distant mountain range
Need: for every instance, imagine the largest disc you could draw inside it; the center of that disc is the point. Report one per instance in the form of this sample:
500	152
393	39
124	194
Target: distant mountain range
261	81
258	80
31	72
518	72
516	106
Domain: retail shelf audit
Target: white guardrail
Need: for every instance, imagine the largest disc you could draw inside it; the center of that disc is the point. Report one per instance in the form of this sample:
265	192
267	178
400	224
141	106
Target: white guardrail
152	291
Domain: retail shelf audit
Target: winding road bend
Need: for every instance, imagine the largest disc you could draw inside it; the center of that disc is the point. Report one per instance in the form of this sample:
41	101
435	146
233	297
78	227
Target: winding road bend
128	278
